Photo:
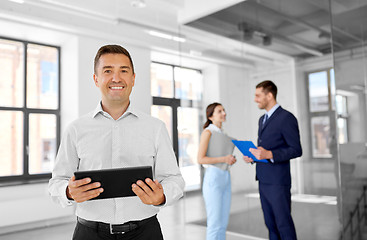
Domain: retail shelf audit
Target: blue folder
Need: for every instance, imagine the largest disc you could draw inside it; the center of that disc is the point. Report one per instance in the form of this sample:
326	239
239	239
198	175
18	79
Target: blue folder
244	147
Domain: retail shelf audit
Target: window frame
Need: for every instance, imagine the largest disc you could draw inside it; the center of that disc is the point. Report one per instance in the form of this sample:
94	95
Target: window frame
175	103
331	113
26	177
344	116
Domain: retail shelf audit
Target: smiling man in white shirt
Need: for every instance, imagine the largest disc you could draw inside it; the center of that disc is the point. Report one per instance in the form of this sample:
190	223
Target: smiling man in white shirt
116	135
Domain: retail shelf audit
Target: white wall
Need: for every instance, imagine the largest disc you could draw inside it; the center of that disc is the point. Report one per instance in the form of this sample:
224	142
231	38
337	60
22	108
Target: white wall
69	81
237	98
27	206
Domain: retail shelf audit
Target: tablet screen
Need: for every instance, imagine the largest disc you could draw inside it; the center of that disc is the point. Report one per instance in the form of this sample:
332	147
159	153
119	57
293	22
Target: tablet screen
116	182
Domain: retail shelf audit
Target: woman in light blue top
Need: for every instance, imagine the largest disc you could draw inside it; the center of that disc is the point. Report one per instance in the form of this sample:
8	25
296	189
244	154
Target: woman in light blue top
217	181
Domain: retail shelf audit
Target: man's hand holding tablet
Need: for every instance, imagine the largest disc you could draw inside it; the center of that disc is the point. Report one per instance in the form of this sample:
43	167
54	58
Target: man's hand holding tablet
116	182
150	192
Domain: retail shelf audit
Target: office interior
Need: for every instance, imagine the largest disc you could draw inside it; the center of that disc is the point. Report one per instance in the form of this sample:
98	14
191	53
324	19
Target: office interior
313	50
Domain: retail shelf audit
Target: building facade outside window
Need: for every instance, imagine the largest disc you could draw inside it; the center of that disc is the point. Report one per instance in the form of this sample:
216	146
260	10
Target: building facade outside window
324	103
177	95
29	109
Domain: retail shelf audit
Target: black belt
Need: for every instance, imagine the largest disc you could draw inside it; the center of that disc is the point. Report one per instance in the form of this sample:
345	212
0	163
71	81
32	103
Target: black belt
115	228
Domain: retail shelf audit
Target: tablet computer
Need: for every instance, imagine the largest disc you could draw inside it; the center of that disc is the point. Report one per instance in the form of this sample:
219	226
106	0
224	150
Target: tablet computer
116	182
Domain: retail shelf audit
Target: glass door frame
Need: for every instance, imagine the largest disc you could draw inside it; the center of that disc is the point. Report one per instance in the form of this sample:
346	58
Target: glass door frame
175	103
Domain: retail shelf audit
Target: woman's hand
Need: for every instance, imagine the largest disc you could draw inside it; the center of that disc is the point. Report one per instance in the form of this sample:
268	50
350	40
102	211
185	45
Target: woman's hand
230	159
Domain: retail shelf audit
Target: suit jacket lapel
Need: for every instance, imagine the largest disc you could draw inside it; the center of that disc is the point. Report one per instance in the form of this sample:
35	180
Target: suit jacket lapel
277	111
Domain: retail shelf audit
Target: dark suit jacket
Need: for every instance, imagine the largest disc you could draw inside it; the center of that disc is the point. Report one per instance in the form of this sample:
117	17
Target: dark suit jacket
280	134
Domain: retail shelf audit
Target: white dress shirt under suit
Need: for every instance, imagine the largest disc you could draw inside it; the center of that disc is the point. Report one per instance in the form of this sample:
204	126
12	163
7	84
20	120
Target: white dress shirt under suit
97	141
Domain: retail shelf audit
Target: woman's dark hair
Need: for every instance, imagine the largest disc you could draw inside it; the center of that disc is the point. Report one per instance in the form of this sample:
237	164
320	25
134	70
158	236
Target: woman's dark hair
209	113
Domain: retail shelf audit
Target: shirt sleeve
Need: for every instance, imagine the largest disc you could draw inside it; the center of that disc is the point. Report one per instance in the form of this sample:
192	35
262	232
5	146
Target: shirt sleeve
167	171
66	164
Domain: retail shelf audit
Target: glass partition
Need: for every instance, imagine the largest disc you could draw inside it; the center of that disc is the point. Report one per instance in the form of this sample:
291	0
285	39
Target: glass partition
350	66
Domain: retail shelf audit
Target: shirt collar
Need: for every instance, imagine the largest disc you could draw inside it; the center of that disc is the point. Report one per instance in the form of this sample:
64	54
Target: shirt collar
272	110
214	128
130	110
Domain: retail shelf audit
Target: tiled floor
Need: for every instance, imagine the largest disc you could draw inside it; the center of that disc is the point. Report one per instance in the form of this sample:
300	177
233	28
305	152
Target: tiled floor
177	221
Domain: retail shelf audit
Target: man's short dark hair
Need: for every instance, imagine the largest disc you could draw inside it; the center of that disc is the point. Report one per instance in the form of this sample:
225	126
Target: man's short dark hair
111	49
268	86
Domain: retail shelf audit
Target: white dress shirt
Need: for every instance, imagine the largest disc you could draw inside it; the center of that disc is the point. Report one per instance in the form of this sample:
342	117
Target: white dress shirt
213	128
97	141
272	110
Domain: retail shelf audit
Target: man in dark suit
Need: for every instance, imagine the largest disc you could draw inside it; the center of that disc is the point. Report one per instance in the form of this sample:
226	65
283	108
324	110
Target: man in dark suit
278	142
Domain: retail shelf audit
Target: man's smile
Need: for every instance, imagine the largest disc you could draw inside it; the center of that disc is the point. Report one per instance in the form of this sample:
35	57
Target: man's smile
117	87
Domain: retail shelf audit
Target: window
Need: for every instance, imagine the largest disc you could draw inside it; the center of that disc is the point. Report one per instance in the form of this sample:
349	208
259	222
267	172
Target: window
177	95
323	102
342	118
29	109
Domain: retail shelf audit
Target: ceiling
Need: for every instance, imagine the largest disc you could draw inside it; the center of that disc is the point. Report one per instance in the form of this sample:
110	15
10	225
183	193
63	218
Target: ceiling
298	28
239	32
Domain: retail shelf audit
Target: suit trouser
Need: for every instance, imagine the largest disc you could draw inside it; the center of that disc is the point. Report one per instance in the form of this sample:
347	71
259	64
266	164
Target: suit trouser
217	197
149	231
276	205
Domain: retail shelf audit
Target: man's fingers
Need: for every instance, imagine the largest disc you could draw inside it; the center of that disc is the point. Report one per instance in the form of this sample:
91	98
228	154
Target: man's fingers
84	196
138	191
77	183
253	150
88	187
92	194
159	185
154	185
84	187
145	187
82	190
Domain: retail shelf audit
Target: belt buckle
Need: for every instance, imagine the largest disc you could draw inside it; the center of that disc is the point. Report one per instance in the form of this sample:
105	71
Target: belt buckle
115	232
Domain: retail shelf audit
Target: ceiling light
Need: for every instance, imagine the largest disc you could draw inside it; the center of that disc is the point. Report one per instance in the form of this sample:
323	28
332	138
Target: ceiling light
357	87
167	36
308	50
196	53
17	1
138	3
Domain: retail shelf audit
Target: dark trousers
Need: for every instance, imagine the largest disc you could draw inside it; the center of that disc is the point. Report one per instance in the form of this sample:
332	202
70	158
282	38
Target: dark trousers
149	231
276	205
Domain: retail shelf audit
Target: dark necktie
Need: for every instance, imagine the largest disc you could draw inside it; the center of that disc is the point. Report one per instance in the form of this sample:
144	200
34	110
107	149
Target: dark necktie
265	119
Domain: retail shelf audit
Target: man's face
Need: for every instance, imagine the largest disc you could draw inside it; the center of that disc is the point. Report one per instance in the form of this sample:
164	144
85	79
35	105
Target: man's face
261	98
115	78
